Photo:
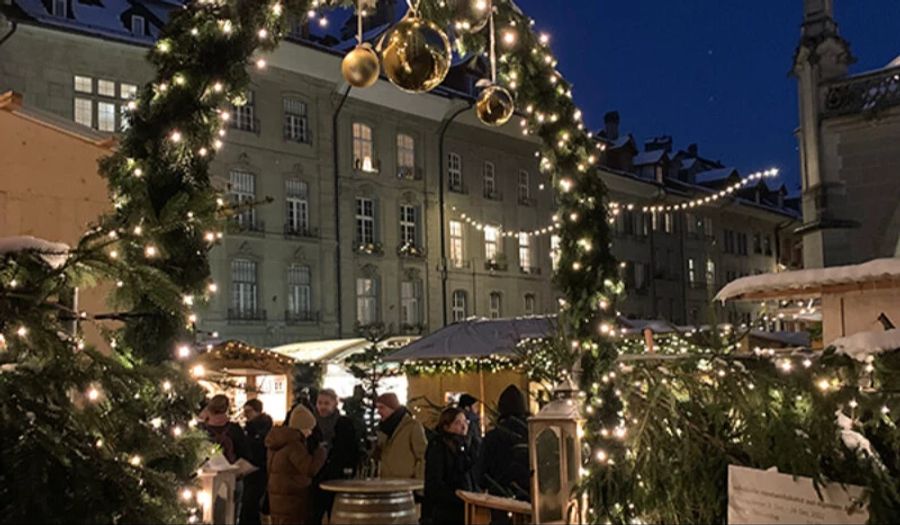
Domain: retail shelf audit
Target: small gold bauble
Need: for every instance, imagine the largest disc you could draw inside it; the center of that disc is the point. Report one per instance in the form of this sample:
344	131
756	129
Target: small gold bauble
469	16
495	105
360	67
415	55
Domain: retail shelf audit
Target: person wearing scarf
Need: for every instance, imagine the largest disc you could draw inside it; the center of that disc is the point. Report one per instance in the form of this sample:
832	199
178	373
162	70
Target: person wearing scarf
338	435
401	440
449	464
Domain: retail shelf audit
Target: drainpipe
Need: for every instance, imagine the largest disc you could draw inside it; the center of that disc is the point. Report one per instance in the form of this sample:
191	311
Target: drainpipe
11	32
445	125
337	209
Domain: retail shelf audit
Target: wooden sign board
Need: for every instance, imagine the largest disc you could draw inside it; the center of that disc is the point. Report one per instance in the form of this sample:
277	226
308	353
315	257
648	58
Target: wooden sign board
761	496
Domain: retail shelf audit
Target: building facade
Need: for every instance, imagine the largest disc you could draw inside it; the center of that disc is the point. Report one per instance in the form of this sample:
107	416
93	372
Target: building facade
850	160
379	206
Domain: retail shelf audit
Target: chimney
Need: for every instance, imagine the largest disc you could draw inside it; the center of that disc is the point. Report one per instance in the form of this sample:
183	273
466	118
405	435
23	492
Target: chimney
659	143
611	125
693	150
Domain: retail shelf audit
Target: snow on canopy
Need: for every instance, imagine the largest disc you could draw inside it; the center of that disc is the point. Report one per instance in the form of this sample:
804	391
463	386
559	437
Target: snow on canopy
862	345
53	253
813	279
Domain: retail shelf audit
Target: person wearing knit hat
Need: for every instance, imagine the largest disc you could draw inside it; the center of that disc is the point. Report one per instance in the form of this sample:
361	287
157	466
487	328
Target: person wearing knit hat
291	469
468	404
401	440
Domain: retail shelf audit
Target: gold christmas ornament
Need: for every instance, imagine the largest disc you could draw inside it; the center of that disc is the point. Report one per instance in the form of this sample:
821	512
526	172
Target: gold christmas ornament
361	67
469	16
495	105
415	55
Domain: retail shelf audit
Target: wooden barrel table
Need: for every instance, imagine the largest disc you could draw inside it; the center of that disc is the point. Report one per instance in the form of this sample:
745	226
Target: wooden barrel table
373	501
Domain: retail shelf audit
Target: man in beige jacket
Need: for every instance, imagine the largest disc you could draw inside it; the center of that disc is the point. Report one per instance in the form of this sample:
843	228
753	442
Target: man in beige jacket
401	440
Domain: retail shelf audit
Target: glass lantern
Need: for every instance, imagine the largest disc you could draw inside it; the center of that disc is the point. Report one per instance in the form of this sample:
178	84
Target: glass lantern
555	435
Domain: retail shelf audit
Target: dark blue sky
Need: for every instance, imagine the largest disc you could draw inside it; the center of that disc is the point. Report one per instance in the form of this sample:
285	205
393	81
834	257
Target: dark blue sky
712	72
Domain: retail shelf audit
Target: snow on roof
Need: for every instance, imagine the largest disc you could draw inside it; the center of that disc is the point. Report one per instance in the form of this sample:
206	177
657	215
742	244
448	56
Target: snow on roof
796	339
706	177
812	280
893	63
649	157
101	19
53	253
861	345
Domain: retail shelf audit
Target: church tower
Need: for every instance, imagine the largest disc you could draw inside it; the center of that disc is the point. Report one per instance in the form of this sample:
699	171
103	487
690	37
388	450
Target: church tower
821	56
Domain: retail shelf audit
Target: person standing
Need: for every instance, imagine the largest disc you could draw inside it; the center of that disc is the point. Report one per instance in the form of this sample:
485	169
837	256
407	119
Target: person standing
230	438
469	405
504	463
401	440
338	435
291	468
448	467
257	428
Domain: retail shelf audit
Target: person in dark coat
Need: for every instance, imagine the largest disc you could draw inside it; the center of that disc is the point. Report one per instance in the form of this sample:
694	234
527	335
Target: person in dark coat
257	428
291	468
504	464
469	405
230	438
449	463
338	436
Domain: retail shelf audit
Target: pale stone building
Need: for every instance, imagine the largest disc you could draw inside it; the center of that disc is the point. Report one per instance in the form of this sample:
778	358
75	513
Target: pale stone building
849	139
368	190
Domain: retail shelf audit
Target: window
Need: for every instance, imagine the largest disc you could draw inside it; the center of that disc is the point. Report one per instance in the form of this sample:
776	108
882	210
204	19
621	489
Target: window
460	306
708	227
692	223
710	273
297	205
243	192
244	117
640	275
525	252
757	243
490	180
61	8
406	156
106	116
408	225
365	220
296	121
491	242
454	172
244	289
138	26
729	244
530	303
555	251
692	271
84	111
366	301
669	224
127	91
299	292
496	304
742	243
84	84
524	188
456	244
107	88
363	149
410	298
767	244
656	220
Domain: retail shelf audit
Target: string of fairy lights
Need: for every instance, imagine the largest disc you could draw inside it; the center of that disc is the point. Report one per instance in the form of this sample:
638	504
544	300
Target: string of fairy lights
617	207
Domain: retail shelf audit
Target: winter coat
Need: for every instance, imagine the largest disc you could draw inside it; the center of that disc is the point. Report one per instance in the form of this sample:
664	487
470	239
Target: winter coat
343	451
448	468
403	452
504	465
231	439
291	470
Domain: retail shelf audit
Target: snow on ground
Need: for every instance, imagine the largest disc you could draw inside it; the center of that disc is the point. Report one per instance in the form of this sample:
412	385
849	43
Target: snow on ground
864	344
53	253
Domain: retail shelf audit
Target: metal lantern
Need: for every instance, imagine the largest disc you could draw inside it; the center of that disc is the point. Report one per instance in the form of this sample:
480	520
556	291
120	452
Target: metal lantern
555	435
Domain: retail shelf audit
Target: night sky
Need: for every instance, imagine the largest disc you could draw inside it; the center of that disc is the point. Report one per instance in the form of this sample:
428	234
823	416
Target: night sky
710	72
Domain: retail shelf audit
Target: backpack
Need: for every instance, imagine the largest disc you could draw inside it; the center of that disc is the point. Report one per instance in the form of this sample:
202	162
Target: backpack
221	437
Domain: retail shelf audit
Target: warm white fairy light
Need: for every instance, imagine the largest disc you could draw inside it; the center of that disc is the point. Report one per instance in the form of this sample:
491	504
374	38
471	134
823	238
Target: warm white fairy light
93	394
166	385
22	331
183	351
151	251
156	422
175	136
135	460
198	371
187	494
177	431
261	63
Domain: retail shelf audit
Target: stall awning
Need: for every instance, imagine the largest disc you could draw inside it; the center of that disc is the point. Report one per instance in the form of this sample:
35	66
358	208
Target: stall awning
476	338
332	350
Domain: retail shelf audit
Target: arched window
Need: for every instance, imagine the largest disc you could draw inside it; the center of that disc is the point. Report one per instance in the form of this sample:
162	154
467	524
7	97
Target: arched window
530	303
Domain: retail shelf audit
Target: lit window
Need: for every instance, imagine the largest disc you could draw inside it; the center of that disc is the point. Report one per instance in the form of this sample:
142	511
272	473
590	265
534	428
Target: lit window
669	224
710	273
491	242
363	148
555	251
296	121
454	172
406	155
128	91
496	305
84	111
299	292
106	116
490	180
297	206
456	244
692	271
106	88
365	220
408	225
244	116
460	306
243	192
244	290
138	25
530	304
410	298
366	301
525	252
84	84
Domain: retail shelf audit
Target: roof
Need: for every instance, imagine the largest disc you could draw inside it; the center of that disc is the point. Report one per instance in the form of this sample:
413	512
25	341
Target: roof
12	103
476	338
717	175
793	339
650	157
813	282
333	350
105	19
861	345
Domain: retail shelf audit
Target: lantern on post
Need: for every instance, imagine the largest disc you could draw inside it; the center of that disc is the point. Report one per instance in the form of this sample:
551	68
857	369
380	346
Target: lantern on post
555	434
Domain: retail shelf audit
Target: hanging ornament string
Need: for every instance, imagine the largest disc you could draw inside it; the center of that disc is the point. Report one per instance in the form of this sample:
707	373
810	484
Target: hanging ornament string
359	22
413	6
493	44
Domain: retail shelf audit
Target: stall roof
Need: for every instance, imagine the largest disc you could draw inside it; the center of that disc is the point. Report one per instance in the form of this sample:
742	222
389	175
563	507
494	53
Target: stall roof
878	273
476	338
332	350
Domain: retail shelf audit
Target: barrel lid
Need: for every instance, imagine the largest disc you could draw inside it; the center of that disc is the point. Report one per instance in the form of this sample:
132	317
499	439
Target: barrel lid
372	486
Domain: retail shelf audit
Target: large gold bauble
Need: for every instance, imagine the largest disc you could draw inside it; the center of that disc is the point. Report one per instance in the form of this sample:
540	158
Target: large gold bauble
495	105
361	67
469	16
415	55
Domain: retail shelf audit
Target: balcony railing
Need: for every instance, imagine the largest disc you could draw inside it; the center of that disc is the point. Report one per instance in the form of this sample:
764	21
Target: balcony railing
493	195
496	265
293	230
868	93
292	318
530	270
409	173
243	314
411	251
368	248
248	226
